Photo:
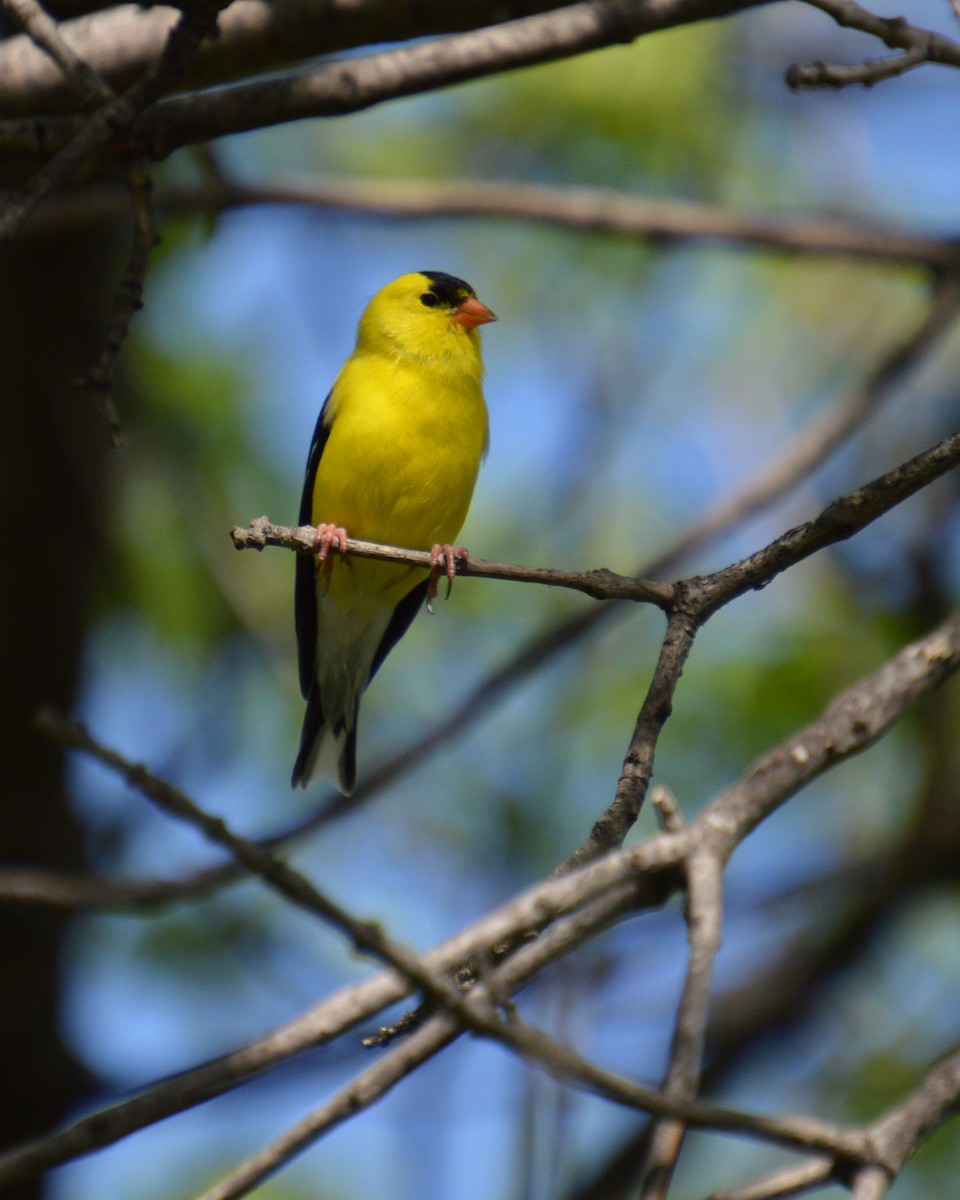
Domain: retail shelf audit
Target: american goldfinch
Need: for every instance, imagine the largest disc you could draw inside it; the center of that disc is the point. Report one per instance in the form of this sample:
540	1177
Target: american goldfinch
394	459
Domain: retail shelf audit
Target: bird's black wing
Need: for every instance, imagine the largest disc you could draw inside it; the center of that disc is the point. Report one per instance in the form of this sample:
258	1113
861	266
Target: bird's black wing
400	621
305	597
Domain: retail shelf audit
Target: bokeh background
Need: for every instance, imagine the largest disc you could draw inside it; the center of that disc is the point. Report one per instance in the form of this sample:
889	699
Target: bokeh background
632	386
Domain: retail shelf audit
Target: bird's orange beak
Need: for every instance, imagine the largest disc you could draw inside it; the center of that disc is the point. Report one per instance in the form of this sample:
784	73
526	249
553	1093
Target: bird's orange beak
470	313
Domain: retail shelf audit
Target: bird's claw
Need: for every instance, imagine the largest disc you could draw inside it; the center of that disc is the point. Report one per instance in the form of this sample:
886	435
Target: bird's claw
327	536
443	558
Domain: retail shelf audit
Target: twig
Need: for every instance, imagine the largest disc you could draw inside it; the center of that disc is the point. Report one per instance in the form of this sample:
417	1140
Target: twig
918	46
578	209
893	1139
366	1089
620	816
558	1060
293	885
127	300
421	1044
695	599
840	520
704	915
473	1009
869	72
813	444
794	1181
664	801
88	893
600	584
851	722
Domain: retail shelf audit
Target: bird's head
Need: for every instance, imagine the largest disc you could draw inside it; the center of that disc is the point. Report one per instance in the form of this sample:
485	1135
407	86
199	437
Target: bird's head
427	315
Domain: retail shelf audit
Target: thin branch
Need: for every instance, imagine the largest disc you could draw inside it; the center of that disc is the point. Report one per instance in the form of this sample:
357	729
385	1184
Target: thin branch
599	584
586	210
558	1060
415	1049
579	209
365	1090
665	803
824	434
694	599
867	73
851	722
704	915
615	823
893	1138
127	300
794	1181
697	599
59	890
847	515
918	46
289	883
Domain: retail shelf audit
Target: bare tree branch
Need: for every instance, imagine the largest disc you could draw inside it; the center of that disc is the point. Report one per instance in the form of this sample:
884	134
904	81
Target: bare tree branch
699	597
918	45
794	1181
580	209
365	936
366	1089
254	36
853	720
704	913
354	84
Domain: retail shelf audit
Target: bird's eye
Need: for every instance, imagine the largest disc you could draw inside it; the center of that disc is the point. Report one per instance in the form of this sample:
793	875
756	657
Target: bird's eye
429	300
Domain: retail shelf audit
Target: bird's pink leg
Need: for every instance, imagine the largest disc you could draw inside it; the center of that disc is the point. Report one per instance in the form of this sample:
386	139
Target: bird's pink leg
443	558
326	536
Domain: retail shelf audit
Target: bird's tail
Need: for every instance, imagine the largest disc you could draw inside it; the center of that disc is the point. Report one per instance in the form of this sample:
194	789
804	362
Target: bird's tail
326	750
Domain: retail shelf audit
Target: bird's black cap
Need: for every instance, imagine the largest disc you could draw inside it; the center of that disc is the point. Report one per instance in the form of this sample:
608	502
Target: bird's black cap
448	289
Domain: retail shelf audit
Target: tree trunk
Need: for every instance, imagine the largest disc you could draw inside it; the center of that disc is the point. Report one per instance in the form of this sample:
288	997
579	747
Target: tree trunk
54	454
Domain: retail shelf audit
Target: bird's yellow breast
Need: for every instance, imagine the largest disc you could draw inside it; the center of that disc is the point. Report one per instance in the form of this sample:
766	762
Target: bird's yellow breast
401	460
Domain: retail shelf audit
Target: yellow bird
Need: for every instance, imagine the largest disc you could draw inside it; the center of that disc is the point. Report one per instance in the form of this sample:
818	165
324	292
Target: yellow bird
394	459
